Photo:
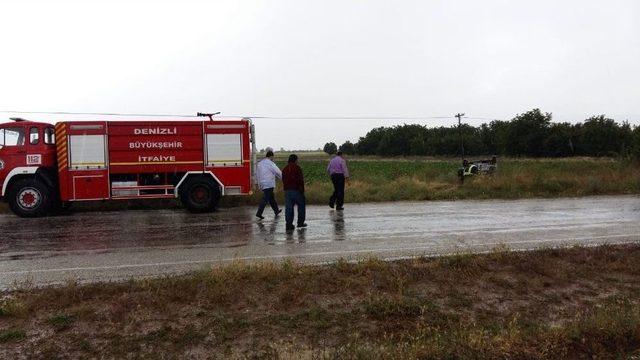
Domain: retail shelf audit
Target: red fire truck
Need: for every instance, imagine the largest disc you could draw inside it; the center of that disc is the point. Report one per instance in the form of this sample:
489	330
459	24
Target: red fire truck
44	167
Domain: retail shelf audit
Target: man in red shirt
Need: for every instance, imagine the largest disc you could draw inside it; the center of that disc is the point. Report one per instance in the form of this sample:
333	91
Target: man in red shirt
293	182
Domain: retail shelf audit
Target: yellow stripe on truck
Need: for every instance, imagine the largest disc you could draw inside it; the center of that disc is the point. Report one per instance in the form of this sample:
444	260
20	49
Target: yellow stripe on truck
61	141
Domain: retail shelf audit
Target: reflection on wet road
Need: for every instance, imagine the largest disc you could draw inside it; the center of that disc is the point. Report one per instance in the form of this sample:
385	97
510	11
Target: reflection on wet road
117	245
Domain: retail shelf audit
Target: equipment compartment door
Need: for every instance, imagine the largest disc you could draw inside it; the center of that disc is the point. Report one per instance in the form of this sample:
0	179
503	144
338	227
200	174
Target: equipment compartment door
227	154
88	171
90	186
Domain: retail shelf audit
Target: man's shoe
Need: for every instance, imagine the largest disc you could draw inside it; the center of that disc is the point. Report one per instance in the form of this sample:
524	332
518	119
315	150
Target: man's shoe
290	227
302	225
340	208
331	205
260	217
278	212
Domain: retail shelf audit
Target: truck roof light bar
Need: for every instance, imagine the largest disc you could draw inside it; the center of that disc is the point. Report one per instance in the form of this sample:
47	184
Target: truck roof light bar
17	119
209	115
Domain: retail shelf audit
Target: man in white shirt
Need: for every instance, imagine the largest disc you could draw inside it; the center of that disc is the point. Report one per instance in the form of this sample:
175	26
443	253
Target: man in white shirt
266	174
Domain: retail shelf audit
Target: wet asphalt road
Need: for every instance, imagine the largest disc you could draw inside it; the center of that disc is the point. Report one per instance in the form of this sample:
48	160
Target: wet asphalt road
119	245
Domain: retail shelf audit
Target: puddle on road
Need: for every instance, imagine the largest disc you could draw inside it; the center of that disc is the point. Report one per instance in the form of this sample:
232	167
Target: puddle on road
360	223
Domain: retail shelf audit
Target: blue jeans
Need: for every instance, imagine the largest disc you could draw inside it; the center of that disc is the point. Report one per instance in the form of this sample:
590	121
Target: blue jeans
294	197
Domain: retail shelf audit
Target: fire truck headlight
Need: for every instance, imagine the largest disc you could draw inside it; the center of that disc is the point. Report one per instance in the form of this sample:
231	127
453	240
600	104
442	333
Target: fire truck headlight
1	164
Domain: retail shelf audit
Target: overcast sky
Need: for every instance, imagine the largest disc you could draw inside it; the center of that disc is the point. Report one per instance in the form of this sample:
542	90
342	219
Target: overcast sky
373	58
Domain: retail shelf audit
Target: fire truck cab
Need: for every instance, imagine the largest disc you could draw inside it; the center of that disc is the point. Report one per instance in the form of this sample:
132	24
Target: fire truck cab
27	166
43	167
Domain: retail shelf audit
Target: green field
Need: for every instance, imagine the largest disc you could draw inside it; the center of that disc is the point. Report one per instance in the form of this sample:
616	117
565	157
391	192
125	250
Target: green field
377	179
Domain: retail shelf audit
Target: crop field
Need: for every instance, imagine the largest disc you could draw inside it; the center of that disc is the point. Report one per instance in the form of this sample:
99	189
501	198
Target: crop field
380	179
546	304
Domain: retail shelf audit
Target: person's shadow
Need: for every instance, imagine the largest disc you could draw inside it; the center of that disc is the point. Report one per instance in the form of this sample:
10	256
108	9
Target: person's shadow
268	233
300	235
339	232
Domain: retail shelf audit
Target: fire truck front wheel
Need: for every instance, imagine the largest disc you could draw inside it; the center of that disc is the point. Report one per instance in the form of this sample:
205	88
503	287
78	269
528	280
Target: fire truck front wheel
200	195
30	198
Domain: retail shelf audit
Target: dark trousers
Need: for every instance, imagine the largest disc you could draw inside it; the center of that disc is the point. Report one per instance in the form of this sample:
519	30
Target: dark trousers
267	198
294	197
337	198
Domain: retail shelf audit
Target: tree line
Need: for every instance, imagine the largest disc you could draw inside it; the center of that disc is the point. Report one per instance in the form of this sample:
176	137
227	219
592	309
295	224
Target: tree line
530	134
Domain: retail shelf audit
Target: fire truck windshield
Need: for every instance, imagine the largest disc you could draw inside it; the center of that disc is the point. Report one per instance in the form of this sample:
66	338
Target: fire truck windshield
11	137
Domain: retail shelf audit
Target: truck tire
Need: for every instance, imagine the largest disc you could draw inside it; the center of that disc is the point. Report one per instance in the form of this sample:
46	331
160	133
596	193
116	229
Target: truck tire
200	194
30	198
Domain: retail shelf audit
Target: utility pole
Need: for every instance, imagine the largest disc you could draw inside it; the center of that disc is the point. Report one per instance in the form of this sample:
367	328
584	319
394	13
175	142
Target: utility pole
459	116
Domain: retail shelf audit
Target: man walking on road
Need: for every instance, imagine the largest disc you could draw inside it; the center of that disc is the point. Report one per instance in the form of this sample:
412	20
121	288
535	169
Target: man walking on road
293	182
339	173
266	174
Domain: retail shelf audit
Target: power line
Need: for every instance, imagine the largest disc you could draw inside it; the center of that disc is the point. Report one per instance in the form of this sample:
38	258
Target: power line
269	117
306	117
92	113
483	118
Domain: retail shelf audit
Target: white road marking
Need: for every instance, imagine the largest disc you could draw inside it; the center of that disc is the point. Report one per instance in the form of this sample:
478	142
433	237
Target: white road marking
317	254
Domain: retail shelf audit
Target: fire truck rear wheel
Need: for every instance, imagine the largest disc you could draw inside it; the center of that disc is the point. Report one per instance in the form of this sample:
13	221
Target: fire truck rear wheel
200	195
30	198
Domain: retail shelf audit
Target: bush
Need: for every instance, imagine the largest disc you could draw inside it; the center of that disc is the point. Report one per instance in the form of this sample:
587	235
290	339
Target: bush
330	148
636	143
348	148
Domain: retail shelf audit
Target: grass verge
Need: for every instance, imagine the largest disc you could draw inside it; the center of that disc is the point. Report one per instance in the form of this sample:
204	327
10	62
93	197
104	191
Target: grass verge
557	303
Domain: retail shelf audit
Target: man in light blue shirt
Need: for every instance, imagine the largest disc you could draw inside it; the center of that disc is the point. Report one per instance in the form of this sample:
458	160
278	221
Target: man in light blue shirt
266	173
